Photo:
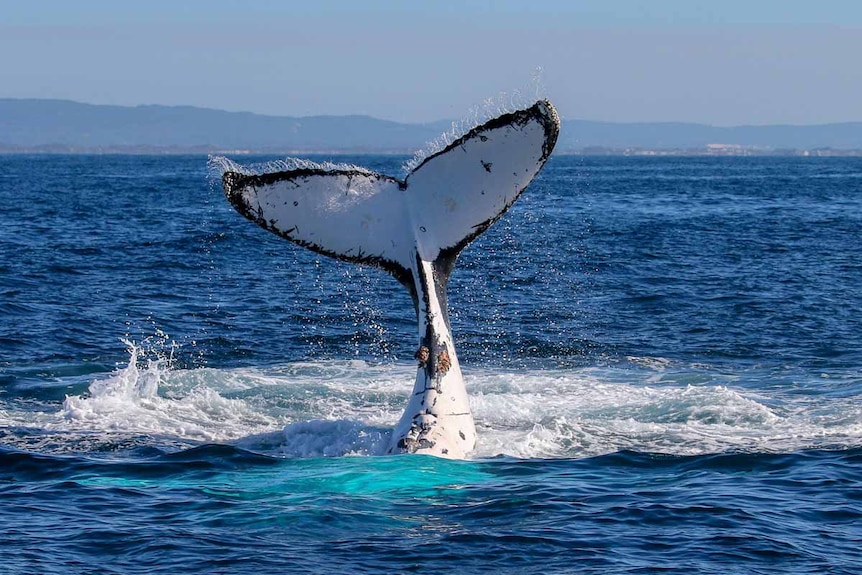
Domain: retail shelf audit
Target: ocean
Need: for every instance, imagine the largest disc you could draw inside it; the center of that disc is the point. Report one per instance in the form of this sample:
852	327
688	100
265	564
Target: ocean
664	357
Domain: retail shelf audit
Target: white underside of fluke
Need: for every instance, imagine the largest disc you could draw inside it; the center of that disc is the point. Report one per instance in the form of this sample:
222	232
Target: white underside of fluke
413	228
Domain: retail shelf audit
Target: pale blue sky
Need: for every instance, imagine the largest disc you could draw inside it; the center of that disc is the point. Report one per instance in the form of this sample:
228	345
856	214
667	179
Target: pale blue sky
719	62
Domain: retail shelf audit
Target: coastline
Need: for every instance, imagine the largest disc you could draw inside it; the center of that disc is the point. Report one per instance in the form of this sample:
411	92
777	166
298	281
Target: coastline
721	150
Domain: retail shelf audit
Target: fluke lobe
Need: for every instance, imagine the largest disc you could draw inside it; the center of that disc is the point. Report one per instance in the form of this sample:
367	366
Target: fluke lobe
414	229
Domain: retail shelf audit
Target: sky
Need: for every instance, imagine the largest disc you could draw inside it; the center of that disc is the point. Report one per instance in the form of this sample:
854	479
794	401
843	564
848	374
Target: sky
719	62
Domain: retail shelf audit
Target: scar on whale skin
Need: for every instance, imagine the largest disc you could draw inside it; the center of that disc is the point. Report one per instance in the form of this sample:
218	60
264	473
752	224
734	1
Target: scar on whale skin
417	227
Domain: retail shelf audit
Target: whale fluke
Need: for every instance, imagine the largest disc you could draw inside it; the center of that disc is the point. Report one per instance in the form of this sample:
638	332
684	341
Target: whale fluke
413	228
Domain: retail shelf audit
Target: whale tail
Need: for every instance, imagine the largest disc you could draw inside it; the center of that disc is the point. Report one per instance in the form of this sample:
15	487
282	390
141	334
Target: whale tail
414	228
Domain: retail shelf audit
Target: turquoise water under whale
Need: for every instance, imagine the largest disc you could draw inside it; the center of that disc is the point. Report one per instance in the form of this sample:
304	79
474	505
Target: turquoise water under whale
664	357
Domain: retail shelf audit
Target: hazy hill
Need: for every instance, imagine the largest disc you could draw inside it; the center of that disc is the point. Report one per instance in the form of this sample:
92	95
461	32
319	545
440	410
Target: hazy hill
40	124
31	123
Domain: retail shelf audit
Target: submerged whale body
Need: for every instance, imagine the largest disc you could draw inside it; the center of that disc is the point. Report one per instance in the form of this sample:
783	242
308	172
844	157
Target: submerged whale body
413	228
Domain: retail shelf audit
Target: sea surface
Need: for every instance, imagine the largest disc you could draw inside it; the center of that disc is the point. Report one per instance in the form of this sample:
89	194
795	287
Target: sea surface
664	357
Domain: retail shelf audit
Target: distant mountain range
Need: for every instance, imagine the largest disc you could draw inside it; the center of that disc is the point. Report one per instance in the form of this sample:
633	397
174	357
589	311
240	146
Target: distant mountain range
59	125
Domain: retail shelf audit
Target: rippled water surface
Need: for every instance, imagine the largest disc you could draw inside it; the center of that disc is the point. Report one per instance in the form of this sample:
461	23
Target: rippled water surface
664	357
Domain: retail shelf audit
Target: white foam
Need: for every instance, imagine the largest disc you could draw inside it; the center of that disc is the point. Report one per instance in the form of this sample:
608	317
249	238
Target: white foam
302	409
321	438
148	397
587	413
333	408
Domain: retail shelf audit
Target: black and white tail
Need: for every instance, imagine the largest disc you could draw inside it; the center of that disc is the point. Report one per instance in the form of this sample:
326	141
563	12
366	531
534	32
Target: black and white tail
413	228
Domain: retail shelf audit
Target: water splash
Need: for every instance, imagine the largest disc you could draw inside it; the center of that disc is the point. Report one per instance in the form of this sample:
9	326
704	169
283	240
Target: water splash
147	396
325	408
321	438
595	412
219	165
503	103
538	82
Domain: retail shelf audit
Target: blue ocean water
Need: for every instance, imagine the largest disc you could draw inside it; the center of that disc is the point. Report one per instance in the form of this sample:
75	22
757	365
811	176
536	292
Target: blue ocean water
664	357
